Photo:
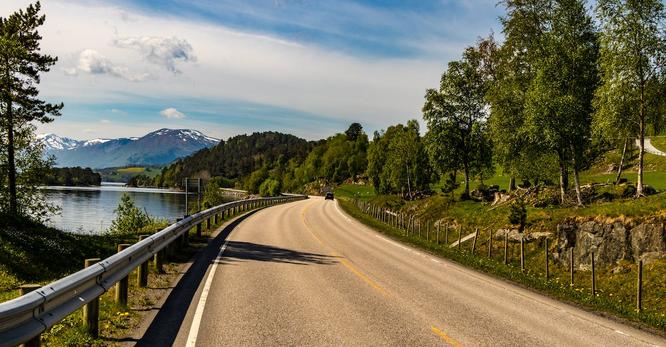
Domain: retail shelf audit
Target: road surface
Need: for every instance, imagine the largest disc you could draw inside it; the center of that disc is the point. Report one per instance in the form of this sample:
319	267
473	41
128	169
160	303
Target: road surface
305	274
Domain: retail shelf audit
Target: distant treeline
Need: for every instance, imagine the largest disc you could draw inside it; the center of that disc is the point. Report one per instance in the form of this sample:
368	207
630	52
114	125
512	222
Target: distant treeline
72	176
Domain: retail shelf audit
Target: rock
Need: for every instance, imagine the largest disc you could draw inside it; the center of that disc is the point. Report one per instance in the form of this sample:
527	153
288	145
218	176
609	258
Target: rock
620	270
610	243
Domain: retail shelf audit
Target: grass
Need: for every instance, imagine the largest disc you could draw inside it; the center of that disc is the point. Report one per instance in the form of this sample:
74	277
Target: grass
124	174
33	253
616	294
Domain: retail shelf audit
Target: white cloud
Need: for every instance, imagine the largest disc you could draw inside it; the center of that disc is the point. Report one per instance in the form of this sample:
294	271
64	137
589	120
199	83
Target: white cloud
160	50
231	65
172	113
117	111
105	121
94	63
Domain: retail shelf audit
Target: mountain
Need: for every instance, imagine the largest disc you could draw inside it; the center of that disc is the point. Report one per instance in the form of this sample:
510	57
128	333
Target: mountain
237	158
159	147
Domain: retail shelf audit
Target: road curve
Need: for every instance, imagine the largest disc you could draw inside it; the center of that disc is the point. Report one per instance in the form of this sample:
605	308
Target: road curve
306	274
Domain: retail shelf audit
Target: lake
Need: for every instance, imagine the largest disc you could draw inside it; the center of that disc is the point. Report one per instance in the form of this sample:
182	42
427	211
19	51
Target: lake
91	209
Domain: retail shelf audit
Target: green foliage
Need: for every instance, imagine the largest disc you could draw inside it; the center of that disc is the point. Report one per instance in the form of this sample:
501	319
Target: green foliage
518	213
21	64
255	180
458	138
270	187
236	158
129	218
397	162
633	44
72	176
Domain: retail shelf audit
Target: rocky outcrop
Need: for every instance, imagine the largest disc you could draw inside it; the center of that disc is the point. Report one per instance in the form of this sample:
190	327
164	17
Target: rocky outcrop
610	242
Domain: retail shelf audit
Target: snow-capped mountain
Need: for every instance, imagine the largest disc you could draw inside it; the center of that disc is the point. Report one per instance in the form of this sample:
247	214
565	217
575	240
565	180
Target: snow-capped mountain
156	148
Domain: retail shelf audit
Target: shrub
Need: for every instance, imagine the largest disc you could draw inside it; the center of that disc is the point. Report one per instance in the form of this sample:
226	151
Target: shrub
270	187
129	218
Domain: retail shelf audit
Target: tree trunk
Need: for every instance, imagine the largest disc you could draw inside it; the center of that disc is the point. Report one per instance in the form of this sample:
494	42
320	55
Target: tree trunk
619	169
512	184
466	192
564	178
409	183
11	160
641	155
576	177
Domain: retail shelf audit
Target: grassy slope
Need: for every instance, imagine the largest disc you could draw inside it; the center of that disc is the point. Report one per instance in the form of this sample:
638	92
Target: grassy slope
126	173
616	292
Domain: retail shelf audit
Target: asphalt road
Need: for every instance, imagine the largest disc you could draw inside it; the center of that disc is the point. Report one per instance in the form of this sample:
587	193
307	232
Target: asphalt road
305	274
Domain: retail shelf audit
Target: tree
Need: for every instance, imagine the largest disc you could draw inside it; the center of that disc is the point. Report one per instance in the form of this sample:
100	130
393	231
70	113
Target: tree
456	115
631	63
21	64
559	101
129	218
523	26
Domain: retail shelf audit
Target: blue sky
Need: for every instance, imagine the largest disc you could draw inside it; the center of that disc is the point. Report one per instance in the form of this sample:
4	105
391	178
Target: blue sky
229	66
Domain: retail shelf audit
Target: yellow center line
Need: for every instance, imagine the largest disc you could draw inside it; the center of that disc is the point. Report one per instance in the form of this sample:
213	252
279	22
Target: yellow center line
344	261
448	339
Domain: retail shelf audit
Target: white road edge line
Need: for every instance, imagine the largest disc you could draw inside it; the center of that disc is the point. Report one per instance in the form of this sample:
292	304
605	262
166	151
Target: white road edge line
198	314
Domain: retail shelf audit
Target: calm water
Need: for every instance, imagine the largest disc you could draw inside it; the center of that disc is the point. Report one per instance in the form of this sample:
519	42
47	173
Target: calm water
91	209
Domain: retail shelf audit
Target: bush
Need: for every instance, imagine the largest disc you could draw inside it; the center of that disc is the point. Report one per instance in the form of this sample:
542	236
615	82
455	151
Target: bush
129	218
270	187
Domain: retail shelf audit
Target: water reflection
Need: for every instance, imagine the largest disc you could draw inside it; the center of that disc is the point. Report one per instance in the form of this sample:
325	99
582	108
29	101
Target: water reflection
91	210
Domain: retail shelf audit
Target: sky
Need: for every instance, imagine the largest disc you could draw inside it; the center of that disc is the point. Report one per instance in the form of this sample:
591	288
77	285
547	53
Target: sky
228	67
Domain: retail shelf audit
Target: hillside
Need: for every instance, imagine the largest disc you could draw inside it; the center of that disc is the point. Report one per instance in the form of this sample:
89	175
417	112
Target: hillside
236	158
156	148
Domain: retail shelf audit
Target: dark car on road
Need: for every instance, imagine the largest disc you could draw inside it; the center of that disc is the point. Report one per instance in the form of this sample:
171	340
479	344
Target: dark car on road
329	196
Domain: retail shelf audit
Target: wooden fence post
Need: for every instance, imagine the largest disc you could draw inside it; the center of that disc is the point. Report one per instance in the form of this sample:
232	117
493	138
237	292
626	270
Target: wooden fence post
438	225
446	234
476	235
506	248
490	244
571	264
594	279
142	273
23	290
122	285
522	253
91	309
546	256
639	287
459	237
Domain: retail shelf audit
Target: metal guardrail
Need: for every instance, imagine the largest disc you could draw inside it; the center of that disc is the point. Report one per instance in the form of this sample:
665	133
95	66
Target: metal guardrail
25	317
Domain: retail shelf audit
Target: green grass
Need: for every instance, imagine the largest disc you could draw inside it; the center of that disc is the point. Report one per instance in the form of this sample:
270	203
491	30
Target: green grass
616	294
659	142
124	174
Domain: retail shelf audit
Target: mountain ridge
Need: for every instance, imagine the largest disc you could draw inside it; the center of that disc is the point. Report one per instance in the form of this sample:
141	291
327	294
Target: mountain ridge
159	147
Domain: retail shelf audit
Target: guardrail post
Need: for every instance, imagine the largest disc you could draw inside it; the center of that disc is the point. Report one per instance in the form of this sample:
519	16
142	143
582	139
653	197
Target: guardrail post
216	219
199	230
208	224
158	259
142	273
91	309
23	290
122	285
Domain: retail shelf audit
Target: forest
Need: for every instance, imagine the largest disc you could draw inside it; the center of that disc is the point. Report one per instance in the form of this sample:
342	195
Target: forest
72	176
